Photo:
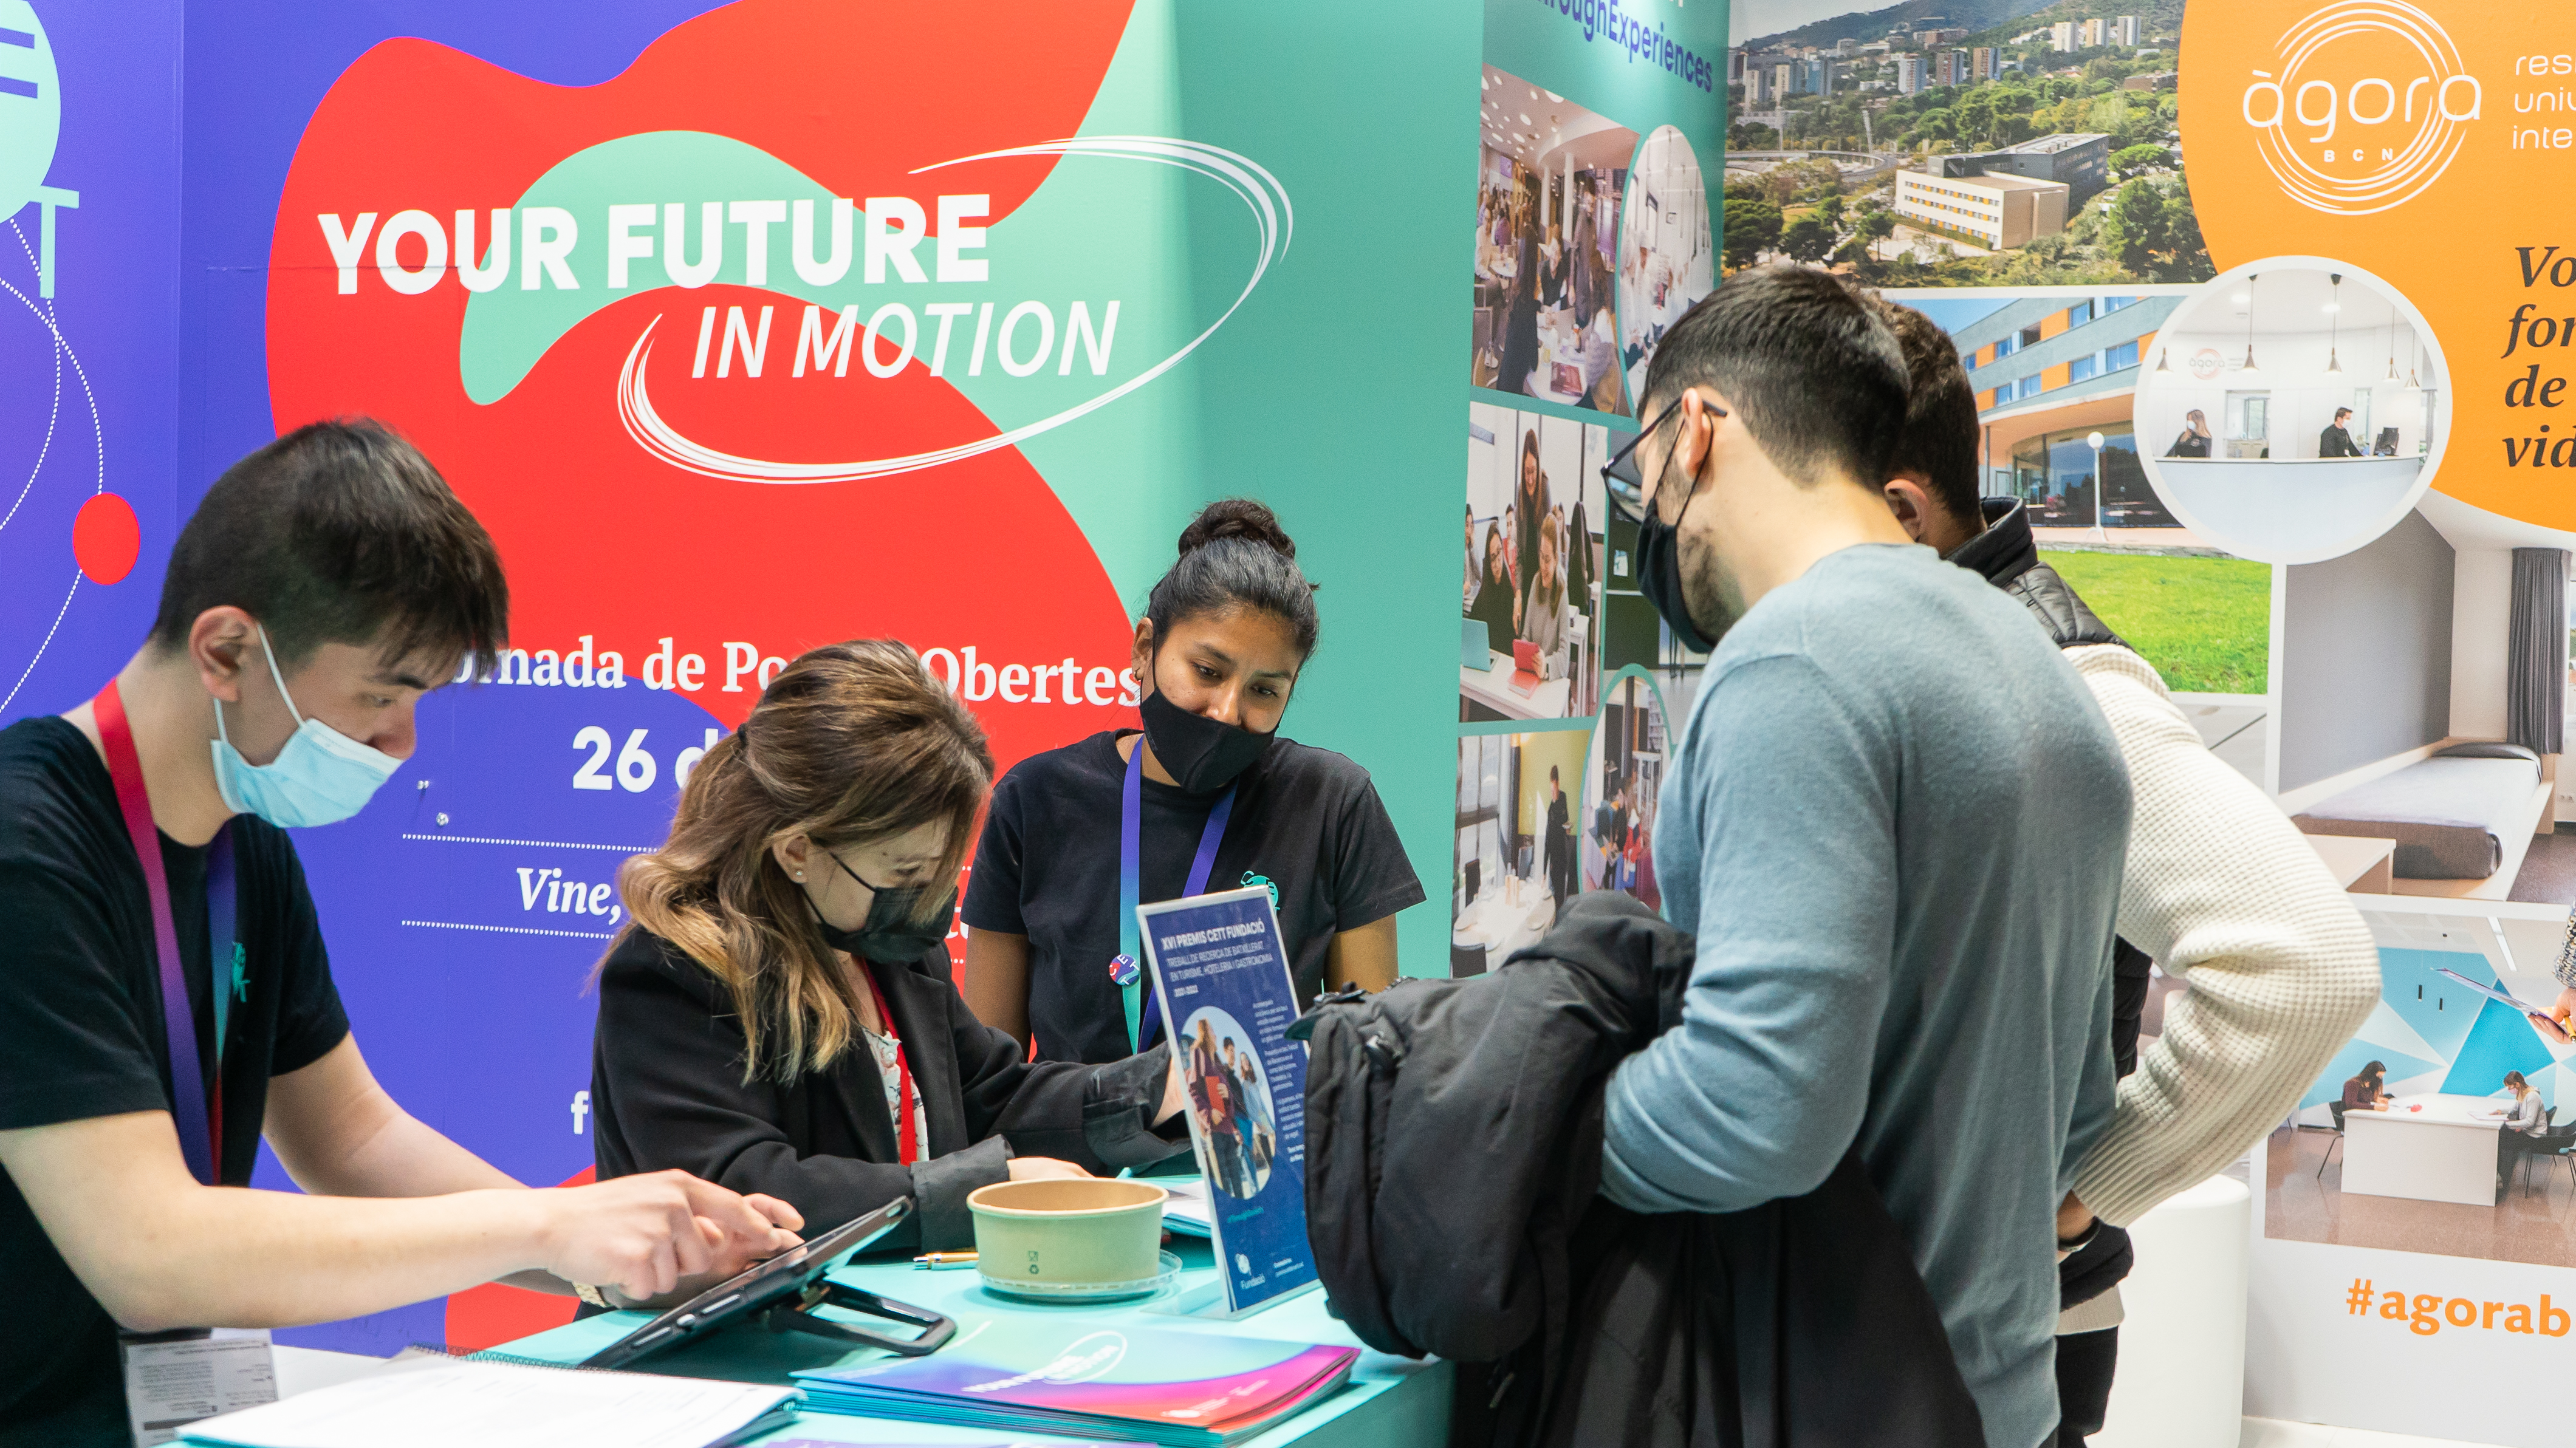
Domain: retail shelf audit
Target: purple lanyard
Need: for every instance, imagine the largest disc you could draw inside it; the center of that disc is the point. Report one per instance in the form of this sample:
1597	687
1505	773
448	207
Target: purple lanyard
1128	970
199	1115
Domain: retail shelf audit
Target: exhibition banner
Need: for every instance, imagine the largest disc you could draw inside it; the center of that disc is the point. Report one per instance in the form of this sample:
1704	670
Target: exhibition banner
2267	309
750	327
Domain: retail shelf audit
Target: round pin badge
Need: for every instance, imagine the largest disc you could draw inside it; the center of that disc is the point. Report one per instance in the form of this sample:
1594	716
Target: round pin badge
1122	969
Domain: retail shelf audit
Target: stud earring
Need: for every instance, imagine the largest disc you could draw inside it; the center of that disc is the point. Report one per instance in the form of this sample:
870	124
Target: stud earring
800	874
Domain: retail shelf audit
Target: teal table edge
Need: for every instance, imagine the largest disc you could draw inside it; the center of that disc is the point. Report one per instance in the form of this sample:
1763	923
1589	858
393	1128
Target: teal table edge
1391	1402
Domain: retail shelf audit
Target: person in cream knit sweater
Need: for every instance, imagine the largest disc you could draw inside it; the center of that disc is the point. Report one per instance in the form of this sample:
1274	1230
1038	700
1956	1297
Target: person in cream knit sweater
2220	891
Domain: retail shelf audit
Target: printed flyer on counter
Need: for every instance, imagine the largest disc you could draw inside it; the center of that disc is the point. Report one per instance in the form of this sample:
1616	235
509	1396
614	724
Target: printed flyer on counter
1221	981
2270	309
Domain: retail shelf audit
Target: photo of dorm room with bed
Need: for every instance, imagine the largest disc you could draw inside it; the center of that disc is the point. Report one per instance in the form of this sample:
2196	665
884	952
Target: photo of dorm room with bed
2423	708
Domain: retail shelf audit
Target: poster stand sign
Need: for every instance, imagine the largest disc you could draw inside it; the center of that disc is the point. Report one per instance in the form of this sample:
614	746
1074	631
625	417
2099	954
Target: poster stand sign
1222	982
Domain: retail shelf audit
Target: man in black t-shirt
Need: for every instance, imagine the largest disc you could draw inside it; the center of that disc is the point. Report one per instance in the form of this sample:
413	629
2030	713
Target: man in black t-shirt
2334	441
324	584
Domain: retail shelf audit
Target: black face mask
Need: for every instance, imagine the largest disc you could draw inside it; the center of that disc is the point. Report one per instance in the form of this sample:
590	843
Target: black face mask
890	934
1659	573
1201	754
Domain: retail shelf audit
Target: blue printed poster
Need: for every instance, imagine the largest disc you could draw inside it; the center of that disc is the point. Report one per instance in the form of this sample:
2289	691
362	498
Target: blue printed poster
1221	980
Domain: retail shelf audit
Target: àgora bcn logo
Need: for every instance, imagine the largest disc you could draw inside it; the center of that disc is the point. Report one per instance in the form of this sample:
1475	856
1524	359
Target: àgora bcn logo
2368	105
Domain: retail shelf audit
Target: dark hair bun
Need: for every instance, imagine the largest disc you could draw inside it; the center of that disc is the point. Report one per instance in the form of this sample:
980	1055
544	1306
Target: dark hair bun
1237	518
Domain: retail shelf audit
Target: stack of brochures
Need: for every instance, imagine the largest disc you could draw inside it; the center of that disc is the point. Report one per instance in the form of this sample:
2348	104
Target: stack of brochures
1032	1376
439	1402
1185	1208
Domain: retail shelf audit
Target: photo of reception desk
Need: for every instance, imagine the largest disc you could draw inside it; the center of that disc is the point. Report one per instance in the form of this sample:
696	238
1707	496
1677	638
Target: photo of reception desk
2292	410
2286	505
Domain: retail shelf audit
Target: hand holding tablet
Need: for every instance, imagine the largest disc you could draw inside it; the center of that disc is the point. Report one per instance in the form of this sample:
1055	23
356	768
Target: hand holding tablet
779	1292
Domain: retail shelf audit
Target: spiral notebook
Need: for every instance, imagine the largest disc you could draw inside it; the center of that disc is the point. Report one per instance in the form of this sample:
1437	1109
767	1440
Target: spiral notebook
438	1402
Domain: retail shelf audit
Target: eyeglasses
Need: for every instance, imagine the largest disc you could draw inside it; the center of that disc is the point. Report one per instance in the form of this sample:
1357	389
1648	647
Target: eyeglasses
1629	491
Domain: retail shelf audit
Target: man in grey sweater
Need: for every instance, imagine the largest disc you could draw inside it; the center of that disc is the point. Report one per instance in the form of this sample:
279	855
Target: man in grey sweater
2219	889
1904	930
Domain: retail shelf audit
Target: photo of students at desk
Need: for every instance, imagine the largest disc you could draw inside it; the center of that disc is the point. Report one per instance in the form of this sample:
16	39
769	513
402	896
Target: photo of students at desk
2442	1125
1526	634
1515	860
1547	218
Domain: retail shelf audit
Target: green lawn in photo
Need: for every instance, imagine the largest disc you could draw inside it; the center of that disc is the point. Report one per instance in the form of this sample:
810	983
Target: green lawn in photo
2205	623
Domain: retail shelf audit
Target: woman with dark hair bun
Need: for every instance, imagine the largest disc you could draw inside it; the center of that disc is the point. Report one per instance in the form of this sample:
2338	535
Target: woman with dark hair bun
1211	797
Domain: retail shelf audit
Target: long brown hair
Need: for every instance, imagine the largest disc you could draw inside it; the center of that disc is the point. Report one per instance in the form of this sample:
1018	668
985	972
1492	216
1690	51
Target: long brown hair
851	745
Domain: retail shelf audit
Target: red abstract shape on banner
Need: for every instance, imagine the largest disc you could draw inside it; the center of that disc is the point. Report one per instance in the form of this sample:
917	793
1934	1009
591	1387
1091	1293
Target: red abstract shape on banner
492	1314
106	537
600	537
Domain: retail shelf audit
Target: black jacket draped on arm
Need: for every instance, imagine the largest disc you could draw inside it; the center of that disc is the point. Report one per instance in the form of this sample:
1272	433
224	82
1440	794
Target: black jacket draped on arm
667	1090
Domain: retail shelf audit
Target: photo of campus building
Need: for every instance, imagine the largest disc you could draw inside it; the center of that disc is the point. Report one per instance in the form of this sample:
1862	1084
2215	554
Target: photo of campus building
2024	151
2007	198
2053	371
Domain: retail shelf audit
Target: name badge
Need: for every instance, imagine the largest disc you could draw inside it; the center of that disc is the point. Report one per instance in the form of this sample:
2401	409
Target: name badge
173	1379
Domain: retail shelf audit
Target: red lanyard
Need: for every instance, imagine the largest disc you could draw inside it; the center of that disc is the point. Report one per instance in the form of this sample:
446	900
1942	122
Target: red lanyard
907	1142
200	1119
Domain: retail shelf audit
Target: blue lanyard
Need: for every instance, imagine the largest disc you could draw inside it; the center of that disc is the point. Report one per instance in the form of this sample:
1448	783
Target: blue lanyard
198	1114
1128	969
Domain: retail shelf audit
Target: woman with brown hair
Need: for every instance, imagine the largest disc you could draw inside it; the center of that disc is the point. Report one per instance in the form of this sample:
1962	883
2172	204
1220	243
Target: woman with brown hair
1546	613
779	1009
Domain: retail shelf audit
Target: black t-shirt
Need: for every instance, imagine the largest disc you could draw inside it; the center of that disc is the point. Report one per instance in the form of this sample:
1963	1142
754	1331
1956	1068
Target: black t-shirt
1306	820
81	1033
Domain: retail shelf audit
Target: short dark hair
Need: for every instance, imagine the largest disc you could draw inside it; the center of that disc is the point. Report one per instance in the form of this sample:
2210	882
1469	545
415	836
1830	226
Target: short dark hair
2342	412
340	532
1814	373
1234	554
1939	443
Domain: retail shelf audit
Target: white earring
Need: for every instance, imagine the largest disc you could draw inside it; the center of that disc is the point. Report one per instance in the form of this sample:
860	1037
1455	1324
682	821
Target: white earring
800	874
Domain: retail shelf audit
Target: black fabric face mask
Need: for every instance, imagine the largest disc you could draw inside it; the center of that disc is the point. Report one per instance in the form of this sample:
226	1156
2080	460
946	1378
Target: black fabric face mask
1659	573
890	934
1201	754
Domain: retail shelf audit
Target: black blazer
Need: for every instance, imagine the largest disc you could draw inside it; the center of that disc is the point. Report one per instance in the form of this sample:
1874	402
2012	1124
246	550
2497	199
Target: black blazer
1558	851
1494	605
667	1090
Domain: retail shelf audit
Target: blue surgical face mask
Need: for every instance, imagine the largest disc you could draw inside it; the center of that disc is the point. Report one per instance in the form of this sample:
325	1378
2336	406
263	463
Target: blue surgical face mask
321	777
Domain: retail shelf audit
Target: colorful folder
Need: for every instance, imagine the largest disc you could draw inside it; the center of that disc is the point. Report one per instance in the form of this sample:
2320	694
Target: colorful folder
1189	1390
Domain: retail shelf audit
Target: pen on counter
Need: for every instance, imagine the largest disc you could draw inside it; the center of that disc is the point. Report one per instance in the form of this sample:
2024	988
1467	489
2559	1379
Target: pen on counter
942	1261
